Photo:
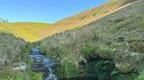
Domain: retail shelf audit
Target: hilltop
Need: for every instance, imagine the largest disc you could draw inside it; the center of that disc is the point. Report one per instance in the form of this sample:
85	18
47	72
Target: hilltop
36	31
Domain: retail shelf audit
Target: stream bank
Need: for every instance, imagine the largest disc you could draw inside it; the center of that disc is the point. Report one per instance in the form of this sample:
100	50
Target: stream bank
97	68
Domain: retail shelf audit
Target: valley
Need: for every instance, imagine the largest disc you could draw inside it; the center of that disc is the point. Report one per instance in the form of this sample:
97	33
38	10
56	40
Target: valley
32	31
104	43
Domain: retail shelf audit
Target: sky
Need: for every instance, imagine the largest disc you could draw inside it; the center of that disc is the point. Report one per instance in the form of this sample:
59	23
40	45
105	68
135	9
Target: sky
48	11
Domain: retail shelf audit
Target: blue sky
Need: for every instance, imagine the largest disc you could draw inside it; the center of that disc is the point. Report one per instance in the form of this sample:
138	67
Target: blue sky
43	10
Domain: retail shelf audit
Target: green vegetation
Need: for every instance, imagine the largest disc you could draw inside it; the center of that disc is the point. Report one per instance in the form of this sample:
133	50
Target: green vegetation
32	31
118	37
11	53
109	48
10	49
140	77
26	30
15	51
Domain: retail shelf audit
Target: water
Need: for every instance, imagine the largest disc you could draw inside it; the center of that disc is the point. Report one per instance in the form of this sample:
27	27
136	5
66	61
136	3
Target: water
43	64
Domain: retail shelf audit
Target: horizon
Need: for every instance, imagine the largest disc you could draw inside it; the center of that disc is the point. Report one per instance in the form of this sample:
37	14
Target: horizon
48	11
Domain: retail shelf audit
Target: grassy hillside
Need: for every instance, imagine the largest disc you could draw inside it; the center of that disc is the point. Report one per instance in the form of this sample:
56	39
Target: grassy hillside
11	52
109	46
28	31
85	17
118	37
36	31
10	48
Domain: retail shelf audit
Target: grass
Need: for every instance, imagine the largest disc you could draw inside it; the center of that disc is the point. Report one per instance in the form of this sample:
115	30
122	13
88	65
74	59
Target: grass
32	32
11	52
85	17
115	37
14	50
28	31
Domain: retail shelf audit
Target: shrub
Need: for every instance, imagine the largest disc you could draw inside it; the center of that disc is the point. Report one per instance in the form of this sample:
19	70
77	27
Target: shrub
68	70
87	50
105	51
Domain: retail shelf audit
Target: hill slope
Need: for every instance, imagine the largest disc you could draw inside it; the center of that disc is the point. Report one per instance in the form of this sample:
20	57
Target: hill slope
14	52
35	31
118	37
27	31
86	17
11	52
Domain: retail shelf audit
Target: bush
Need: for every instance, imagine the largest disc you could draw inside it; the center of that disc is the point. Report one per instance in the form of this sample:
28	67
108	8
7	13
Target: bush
87	50
68	70
105	51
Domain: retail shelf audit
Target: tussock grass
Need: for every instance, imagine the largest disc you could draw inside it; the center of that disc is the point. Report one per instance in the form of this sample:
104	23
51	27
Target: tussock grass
118	36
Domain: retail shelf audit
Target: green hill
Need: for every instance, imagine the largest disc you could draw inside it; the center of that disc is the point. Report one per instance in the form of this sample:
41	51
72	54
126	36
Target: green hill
117	37
32	31
85	17
109	47
27	30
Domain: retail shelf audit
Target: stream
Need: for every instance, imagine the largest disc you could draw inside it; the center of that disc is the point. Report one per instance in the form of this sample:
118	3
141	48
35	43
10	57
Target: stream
40	63
97	68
